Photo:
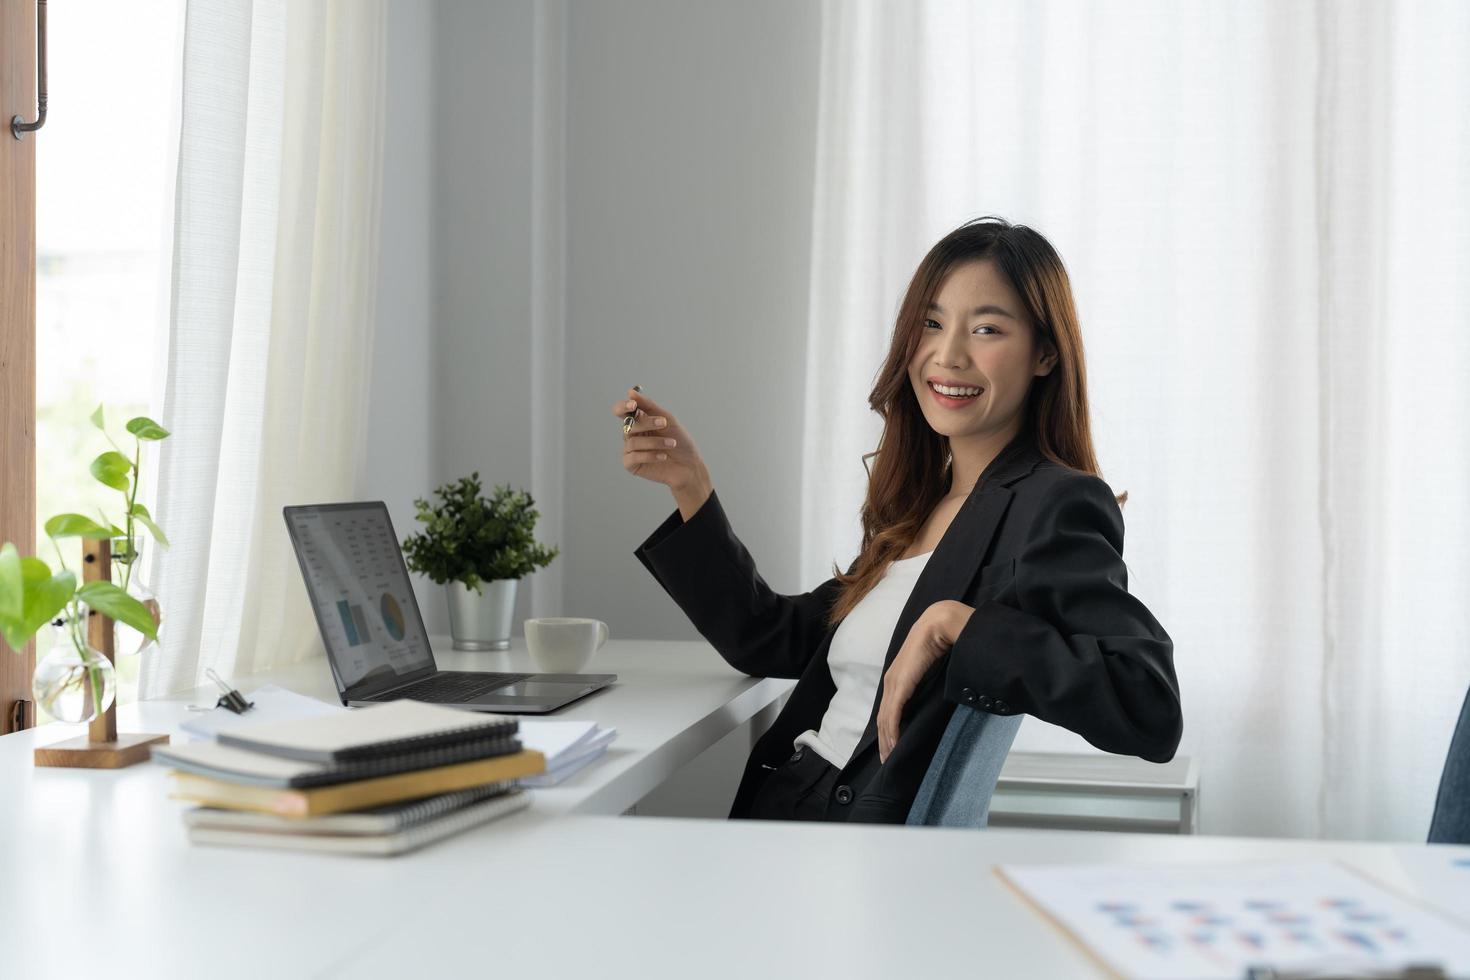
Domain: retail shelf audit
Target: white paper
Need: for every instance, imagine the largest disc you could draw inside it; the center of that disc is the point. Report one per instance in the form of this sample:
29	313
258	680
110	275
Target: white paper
557	739
1209	921
564	769
1441	874
272	703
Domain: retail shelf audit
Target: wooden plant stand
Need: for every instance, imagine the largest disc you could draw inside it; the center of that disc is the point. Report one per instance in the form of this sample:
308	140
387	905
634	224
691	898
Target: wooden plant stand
102	747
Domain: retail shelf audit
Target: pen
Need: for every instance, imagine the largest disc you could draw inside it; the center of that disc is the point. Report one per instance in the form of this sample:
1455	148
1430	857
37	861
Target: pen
628	419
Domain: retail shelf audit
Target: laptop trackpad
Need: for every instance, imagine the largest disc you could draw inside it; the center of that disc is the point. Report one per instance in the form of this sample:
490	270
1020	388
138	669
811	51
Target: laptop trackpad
538	690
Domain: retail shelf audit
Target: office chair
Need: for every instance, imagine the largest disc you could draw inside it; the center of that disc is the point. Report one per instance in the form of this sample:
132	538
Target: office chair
961	778
1451	821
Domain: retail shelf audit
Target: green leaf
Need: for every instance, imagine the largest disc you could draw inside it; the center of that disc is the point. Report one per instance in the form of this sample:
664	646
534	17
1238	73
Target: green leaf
75	526
112	469
46	594
12	586
41	594
110	600
140	514
97	419
145	428
15	635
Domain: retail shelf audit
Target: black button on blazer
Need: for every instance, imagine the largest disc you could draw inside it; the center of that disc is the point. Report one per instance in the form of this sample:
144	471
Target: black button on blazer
1036	549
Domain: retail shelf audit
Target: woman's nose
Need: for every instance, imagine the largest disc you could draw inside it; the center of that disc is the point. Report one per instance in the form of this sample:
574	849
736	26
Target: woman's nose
952	350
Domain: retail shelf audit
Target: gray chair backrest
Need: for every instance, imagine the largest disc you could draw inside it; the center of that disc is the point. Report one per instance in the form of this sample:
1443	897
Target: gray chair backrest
961	778
1450	823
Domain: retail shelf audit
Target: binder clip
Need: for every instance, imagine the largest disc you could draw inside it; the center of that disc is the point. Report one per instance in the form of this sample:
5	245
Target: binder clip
231	699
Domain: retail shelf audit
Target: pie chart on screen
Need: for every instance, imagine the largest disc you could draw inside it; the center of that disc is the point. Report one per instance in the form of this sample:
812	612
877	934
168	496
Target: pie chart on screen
392	616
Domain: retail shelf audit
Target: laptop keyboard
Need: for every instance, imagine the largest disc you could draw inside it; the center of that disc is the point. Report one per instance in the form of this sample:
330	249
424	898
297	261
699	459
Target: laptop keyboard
453	687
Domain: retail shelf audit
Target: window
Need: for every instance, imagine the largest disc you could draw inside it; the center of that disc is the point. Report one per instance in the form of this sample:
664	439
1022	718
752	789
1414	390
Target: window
104	191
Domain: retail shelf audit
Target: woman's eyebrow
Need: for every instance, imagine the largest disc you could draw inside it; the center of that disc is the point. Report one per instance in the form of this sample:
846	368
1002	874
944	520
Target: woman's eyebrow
977	311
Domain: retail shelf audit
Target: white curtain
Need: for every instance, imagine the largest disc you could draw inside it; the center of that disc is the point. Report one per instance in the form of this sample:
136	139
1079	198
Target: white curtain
1265	211
271	325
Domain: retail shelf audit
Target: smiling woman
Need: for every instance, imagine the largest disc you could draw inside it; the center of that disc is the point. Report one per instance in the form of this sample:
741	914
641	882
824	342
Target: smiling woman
1013	337
991	574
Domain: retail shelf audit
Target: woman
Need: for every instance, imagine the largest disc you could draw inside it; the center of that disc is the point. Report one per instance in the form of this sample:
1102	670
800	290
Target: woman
991	571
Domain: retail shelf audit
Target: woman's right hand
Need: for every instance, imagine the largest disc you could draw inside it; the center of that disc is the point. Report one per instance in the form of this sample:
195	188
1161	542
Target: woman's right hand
658	448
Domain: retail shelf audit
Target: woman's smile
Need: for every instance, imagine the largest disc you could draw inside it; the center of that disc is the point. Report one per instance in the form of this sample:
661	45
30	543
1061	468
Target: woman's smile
951	401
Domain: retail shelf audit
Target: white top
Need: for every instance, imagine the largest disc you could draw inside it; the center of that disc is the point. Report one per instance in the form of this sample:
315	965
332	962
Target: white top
856	661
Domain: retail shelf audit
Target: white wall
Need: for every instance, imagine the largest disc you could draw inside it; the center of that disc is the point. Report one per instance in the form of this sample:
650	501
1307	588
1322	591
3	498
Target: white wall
401	413
451	364
677	139
690	157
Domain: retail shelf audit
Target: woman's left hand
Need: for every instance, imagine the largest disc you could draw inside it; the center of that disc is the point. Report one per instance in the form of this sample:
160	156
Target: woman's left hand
930	638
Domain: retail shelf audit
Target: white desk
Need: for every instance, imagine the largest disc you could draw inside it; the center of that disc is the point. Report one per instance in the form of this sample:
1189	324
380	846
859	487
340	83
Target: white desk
671	702
100	877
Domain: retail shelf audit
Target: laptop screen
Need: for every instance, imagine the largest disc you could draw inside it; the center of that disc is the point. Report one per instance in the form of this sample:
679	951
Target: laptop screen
361	595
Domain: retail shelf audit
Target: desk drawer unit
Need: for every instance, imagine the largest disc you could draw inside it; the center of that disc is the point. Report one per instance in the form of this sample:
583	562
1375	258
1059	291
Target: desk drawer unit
1074	791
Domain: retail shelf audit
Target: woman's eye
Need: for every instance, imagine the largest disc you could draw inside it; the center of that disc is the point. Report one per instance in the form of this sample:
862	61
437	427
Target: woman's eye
983	326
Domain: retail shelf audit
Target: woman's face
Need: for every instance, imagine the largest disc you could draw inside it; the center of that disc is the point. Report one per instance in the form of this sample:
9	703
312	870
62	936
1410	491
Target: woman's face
976	336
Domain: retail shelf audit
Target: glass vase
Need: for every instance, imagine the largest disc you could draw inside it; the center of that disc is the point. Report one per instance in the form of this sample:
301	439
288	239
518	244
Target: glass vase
126	641
74	682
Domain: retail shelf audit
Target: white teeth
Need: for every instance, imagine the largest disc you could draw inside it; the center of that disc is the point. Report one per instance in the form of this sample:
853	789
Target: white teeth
954	392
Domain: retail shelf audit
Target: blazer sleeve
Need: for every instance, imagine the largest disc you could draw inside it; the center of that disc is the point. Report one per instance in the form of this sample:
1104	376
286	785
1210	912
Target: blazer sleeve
704	568
1080	651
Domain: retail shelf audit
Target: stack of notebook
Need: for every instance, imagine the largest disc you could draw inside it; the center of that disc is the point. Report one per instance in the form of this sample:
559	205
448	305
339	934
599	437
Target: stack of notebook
379	780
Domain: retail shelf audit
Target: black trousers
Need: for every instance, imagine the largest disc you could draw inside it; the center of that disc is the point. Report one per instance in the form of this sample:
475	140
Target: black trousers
798	789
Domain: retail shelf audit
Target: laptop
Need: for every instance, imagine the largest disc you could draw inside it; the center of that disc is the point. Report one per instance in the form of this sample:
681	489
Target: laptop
374	634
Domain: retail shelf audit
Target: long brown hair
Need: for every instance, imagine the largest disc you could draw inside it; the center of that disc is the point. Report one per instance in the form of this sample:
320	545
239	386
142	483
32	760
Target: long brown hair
912	473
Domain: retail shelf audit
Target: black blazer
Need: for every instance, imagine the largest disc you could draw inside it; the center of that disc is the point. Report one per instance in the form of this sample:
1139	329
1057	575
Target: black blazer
1036	549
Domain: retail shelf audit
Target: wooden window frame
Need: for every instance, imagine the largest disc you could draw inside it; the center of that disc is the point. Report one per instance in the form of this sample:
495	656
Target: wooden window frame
17	328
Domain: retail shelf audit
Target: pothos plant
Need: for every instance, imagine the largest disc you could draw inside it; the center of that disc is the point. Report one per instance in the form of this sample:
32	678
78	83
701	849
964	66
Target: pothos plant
32	595
469	538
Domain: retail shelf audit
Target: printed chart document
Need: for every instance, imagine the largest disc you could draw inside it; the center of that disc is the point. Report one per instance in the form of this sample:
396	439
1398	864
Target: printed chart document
1208	921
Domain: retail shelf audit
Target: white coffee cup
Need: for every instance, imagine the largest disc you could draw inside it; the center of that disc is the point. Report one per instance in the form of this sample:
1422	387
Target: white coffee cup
563	644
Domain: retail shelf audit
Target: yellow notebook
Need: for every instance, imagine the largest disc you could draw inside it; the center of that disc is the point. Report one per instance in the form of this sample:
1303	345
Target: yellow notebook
359	795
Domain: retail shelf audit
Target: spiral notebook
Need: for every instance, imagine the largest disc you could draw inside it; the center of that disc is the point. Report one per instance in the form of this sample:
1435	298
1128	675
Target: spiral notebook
409	837
374	732
359	794
235	765
388	819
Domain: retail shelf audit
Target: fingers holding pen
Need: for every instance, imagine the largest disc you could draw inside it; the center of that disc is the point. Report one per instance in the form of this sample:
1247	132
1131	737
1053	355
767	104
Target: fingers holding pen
647	423
642	421
655	444
632	410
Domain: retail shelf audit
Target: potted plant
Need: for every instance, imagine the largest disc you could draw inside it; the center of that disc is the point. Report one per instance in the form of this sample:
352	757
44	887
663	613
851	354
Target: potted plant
75	681
469	541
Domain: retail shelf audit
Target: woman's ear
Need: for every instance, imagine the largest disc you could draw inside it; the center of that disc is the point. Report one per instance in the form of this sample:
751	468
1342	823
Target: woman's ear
1046	360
